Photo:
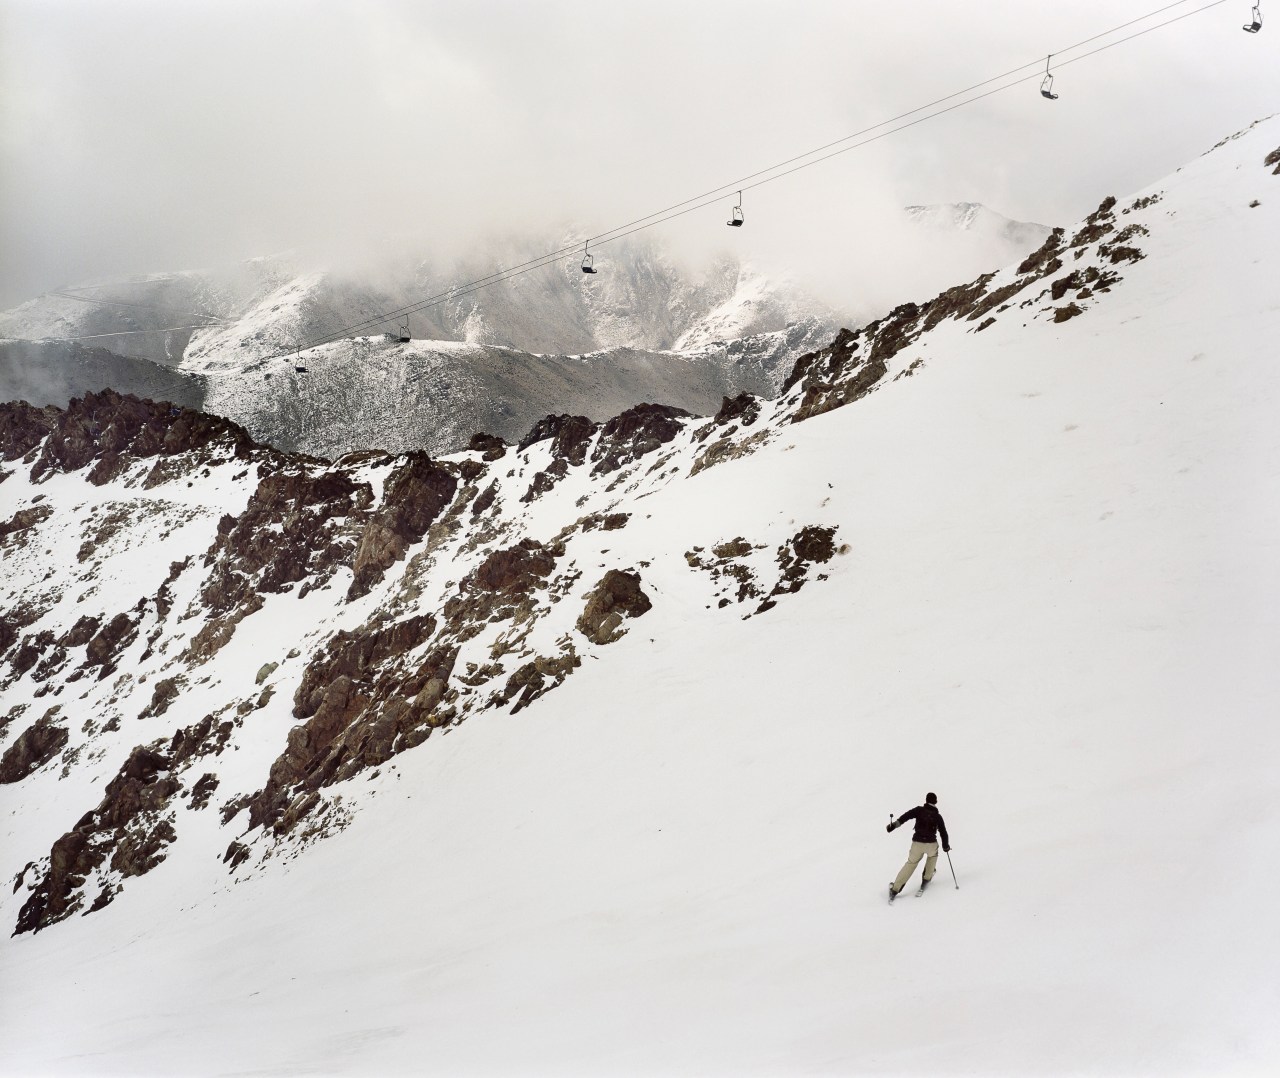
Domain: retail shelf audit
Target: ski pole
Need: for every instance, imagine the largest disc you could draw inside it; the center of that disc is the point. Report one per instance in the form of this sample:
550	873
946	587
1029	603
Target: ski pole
953	871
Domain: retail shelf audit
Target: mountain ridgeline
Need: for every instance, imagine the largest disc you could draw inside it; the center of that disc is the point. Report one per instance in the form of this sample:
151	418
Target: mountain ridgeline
239	341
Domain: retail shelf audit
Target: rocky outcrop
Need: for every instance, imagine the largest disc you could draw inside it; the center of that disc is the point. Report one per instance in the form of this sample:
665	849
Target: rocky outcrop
23	427
127	834
109	430
291	533
637	431
126	826
617	597
24	519
416	493
810	546
33	748
364	700
490	446
570	437
501	588
103	650
535	678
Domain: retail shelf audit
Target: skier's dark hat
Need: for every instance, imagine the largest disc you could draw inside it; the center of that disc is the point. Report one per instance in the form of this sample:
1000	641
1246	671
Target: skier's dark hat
930	799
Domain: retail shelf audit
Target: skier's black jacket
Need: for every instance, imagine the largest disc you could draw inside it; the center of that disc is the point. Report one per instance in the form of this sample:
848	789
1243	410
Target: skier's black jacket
928	825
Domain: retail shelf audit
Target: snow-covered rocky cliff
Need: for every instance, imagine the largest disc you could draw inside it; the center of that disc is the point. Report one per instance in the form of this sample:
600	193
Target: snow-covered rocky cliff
574	755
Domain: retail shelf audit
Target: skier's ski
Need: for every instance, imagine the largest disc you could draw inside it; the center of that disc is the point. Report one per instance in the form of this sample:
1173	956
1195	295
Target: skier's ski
923	885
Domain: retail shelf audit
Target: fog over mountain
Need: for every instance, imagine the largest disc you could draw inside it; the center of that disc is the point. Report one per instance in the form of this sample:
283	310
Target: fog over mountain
650	325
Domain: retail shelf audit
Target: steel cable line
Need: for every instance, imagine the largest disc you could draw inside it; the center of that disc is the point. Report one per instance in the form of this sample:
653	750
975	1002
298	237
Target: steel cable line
66	294
660	216
680	209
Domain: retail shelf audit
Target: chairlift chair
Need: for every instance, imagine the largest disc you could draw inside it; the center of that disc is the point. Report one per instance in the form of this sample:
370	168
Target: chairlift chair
404	333
587	260
735	218
1046	84
299	368
1256	25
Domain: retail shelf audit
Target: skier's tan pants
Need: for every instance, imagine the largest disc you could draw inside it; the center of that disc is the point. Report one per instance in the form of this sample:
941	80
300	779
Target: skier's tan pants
918	850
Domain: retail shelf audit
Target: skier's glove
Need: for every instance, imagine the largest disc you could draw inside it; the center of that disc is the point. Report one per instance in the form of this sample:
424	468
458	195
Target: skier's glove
946	849
891	826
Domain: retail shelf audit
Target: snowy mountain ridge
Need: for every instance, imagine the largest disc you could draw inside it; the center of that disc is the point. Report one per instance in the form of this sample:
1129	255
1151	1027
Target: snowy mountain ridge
1002	234
565	741
666	332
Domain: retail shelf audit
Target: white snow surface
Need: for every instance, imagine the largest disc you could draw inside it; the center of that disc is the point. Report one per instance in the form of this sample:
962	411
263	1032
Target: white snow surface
1058	610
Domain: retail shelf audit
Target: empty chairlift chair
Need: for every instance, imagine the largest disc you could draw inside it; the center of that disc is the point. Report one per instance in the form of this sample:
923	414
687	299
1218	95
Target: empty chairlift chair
404	333
587	261
735	218
1046	84
1256	24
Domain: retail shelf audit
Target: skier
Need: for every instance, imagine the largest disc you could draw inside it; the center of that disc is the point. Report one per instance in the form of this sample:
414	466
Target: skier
924	843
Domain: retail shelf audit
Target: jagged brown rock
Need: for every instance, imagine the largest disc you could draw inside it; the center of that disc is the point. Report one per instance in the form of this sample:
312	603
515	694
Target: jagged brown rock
108	642
362	705
616	597
570	436
809	546
416	493
489	445
23	427
126	825
110	429
637	431
24	519
33	748
536	678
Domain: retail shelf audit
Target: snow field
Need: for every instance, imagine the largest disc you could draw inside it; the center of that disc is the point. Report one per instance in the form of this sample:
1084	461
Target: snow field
1058	611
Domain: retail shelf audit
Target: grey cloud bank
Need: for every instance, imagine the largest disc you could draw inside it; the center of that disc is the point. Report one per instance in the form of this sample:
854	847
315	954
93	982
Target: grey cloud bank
142	136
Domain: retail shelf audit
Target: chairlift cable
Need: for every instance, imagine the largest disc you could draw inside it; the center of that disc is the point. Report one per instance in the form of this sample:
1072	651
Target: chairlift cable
65	293
516	271
713	195
661	216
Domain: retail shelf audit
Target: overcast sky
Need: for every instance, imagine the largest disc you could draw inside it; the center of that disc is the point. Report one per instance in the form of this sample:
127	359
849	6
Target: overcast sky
148	135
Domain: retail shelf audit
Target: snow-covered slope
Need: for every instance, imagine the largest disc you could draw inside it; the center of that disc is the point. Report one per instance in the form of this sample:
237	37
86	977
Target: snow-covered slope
1015	545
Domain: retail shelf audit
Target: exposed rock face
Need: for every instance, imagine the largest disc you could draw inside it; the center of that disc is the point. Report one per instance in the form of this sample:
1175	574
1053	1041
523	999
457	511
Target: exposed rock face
490	446
628	437
123	825
127	834
24	519
290	533
109	430
535	678
809	546
33	748
363	702
23	427
617	597
108	642
570	436
857	361
417	492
